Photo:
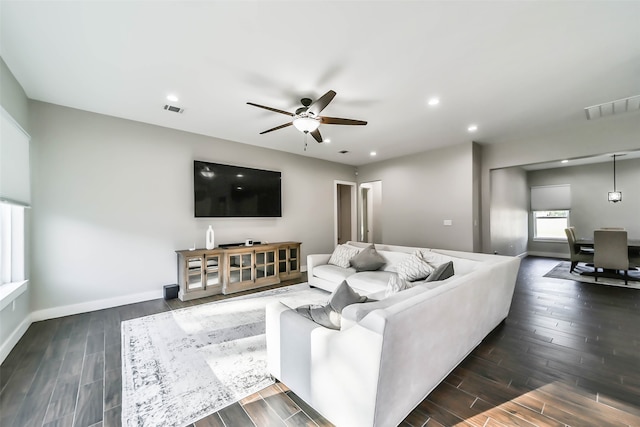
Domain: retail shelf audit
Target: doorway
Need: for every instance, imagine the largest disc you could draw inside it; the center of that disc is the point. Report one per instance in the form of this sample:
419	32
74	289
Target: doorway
345	218
370	219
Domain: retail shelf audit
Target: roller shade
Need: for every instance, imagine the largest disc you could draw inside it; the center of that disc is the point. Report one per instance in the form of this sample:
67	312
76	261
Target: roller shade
14	162
551	198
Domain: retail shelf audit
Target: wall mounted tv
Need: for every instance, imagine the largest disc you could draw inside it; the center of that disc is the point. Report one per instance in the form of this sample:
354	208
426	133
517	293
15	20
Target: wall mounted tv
234	191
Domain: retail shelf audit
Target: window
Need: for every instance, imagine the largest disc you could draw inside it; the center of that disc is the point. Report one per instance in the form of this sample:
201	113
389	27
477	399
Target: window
11	243
550	224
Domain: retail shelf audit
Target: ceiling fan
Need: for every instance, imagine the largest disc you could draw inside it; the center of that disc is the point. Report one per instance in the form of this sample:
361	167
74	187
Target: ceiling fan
307	118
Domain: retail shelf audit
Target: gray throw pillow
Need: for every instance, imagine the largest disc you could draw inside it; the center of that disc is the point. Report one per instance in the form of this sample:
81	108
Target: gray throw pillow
330	314
368	260
441	272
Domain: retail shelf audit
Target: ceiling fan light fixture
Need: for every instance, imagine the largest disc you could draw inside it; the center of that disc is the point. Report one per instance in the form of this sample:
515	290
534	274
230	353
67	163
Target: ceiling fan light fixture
306	124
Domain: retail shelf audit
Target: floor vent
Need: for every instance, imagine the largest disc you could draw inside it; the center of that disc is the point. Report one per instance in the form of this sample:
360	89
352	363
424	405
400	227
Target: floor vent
610	108
174	109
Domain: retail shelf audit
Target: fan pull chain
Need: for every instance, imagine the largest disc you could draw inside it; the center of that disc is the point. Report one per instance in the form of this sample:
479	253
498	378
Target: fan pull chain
306	135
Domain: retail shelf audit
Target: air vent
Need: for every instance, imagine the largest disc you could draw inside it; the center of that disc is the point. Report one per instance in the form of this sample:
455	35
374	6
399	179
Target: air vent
174	109
343	151
610	108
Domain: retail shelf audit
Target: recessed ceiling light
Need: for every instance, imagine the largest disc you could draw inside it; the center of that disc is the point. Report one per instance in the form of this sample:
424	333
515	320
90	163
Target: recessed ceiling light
565	161
373	153
172	98
472	128
434	101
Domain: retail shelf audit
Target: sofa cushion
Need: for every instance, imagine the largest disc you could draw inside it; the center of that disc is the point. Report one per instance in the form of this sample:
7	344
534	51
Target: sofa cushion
368	260
441	272
342	255
415	267
368	282
333	273
330	314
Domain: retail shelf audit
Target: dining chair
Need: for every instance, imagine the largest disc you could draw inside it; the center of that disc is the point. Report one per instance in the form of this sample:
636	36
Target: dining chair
577	254
584	249
611	252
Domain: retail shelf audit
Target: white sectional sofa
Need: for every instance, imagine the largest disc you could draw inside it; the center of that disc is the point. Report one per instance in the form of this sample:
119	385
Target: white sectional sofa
389	354
373	283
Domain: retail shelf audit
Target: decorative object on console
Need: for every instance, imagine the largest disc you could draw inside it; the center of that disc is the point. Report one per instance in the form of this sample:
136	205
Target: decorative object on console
615	196
210	241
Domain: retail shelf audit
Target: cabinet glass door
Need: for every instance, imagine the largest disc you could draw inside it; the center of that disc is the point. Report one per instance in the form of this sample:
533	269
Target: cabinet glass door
282	260
240	266
265	264
194	273
213	270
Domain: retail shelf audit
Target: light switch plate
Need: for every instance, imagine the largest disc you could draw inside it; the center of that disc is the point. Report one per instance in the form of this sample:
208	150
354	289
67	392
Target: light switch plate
448	222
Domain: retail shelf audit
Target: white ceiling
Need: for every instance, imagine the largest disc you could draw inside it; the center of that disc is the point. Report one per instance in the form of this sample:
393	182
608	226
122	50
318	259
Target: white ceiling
512	68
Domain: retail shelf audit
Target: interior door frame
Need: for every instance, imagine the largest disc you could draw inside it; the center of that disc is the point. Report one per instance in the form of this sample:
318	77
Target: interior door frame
354	210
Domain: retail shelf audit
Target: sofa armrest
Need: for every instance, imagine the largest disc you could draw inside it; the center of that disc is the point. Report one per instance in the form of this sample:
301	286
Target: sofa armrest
327	368
315	260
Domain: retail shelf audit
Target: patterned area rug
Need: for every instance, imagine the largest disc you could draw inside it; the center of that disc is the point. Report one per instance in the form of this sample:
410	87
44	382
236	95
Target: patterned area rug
582	273
182	365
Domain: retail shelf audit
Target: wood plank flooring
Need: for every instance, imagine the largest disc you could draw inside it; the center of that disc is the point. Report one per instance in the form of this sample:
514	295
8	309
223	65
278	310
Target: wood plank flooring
567	355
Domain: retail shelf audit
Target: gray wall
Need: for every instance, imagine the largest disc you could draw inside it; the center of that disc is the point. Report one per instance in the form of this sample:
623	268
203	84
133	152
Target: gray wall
14	101
113	200
509	209
422	190
590	209
606	135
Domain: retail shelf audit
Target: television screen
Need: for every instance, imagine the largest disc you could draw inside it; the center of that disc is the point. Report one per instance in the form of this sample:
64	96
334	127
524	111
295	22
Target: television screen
234	191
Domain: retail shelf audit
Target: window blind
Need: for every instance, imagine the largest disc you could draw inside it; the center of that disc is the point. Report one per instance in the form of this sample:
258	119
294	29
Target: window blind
15	187
551	198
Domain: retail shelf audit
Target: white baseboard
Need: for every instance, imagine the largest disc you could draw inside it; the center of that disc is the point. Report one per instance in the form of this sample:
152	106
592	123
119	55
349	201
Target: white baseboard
13	339
550	254
522	255
83	307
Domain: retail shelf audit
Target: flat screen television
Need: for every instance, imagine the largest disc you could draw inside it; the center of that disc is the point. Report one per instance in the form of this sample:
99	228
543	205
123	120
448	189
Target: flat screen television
234	191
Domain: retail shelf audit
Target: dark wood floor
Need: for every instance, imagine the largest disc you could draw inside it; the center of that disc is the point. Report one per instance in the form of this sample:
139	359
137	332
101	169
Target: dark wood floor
568	354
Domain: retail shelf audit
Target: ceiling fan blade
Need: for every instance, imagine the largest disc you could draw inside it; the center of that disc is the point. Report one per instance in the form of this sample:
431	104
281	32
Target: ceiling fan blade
271	109
316	135
276	128
321	103
339	121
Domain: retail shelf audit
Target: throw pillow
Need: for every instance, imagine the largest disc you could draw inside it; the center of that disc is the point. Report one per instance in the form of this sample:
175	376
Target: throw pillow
342	254
330	314
441	272
368	260
395	285
414	268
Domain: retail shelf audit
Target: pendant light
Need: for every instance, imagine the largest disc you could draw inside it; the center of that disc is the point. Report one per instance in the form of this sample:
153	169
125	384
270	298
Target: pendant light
615	196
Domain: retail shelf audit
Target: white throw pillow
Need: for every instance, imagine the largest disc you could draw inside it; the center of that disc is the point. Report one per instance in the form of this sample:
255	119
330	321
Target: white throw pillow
342	255
415	267
395	285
